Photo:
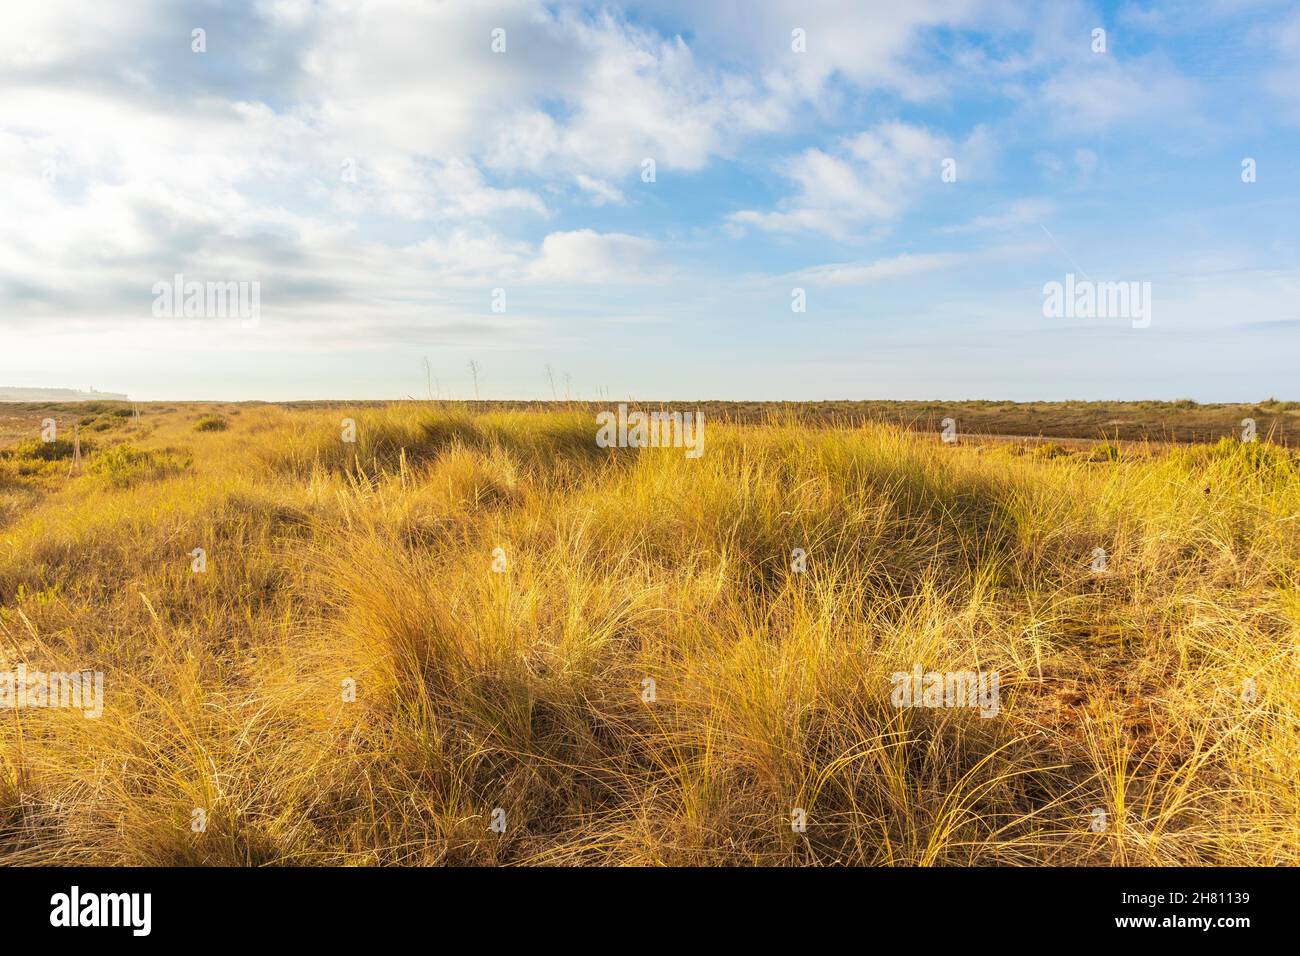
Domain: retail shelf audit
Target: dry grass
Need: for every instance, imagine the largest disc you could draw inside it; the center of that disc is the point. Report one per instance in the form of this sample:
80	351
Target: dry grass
523	690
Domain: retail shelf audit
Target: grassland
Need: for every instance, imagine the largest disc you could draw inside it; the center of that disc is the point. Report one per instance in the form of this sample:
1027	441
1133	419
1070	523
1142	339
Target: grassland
1161	691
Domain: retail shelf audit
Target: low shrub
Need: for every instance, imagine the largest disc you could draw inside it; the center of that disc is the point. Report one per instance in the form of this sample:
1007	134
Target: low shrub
211	423
125	465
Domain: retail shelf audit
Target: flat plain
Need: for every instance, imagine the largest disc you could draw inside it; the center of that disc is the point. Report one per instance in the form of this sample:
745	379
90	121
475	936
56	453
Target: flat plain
473	636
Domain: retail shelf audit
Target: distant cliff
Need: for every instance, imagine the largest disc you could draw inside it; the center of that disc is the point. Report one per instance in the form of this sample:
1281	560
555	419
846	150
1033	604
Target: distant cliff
8	394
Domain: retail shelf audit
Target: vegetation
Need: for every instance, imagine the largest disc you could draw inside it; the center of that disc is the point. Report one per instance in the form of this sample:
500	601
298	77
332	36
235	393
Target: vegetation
641	673
124	465
211	423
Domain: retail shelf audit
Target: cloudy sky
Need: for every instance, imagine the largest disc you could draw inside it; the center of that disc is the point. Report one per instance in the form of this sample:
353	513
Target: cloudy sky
381	171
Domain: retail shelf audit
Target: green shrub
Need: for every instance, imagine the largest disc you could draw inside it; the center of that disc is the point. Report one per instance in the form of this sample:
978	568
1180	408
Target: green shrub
124	465
211	423
35	458
1259	456
35	449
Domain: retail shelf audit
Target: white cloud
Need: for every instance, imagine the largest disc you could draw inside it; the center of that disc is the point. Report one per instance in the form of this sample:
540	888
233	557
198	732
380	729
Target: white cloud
870	179
909	264
600	191
893	267
867	45
586	256
1108	92
439	189
1019	212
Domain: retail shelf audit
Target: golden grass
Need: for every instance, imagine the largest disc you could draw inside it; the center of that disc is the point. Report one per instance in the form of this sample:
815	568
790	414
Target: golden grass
372	563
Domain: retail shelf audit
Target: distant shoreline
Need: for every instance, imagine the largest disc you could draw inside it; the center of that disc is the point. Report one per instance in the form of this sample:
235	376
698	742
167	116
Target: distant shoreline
10	394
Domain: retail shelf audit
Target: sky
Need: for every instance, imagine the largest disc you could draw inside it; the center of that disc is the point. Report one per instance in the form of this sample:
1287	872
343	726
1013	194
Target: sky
634	201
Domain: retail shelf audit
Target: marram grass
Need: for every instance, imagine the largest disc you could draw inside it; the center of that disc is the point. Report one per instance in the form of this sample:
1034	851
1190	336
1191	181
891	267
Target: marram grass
464	620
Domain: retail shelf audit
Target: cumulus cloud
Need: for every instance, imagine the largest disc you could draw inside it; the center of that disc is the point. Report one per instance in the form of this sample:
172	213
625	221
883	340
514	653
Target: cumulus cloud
868	179
587	256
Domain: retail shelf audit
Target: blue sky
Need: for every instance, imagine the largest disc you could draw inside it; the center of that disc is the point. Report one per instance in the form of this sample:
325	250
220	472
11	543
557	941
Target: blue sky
378	169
